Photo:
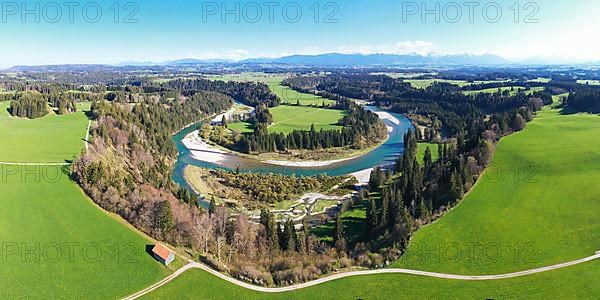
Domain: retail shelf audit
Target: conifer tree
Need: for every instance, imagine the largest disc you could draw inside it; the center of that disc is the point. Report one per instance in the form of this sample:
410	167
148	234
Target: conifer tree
372	215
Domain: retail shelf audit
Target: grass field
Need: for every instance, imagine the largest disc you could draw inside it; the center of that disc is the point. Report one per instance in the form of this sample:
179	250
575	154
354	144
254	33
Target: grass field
286	94
291	96
108	259
248	76
425	83
355	226
513	90
322	205
578	282
509	222
243	127
396	75
288	118
540	79
55	242
589	82
421	151
535	206
52	138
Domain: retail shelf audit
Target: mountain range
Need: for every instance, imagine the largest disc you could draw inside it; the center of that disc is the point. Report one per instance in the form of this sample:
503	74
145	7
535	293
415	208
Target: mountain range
340	60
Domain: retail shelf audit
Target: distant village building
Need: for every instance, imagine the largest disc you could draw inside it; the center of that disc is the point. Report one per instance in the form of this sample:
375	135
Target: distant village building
163	254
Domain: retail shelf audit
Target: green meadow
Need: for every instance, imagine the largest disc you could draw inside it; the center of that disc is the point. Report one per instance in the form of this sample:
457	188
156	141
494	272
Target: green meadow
52	138
540	79
536	205
421	151
248	76
242	127
578	282
291	96
512	89
288	118
56	243
287	95
589	82
355	226
397	75
425	83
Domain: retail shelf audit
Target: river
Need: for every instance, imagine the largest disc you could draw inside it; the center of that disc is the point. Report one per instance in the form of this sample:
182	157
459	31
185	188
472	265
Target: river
382	155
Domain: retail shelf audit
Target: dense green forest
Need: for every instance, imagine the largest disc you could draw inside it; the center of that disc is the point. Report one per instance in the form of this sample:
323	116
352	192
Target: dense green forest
28	105
587	99
443	101
251	94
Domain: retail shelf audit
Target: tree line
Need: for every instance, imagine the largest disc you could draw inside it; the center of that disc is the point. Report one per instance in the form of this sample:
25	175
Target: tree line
249	93
361	128
584	99
28	105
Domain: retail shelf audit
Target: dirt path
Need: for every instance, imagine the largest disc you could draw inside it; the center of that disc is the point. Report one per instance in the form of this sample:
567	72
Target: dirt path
86	141
195	265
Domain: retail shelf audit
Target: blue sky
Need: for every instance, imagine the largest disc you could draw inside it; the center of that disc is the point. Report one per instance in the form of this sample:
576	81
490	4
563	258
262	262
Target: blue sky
167	30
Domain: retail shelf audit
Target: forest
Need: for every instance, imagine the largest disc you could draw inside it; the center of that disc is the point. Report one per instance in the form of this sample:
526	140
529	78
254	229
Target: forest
444	101
33	104
251	94
584	100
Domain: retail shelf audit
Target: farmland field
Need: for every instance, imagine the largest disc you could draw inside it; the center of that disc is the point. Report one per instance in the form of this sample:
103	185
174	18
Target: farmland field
291	96
425	83
589	82
52	138
249	76
288	118
56	243
286	94
513	90
540	79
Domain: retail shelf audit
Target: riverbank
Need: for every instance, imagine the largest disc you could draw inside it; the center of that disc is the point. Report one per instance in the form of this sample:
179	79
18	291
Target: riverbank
203	151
